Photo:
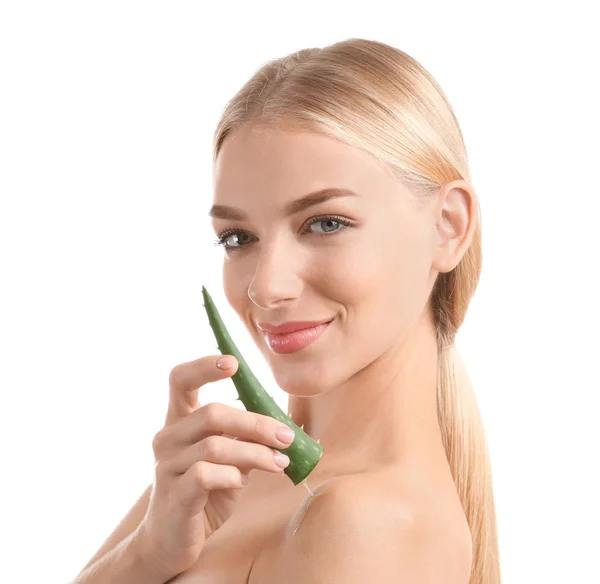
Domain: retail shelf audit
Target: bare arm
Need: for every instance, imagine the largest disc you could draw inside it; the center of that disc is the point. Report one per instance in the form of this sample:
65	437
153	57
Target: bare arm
127	526
121	565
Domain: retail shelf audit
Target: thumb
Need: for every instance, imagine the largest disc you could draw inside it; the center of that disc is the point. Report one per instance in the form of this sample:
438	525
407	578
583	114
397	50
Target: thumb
185	381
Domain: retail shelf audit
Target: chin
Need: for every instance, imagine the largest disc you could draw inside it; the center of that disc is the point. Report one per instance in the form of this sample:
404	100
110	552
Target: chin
299	388
296	382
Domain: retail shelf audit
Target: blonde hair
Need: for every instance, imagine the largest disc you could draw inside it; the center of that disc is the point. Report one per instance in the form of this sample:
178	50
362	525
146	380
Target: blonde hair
379	99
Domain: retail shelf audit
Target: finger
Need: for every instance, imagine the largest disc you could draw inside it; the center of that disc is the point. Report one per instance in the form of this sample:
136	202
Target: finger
220	419
195	485
166	443
221	450
185	380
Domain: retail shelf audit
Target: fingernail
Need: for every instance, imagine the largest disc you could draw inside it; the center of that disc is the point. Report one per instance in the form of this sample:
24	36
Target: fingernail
286	434
281	460
226	362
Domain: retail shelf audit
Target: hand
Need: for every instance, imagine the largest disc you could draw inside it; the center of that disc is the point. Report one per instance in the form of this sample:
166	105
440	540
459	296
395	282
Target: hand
201	454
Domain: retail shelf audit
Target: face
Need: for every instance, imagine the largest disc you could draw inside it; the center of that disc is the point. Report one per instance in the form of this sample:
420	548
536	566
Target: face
372	276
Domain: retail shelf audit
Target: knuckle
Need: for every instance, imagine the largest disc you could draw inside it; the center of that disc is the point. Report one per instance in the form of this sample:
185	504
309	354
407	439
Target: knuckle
176	375
212	446
260	427
160	468
213	413
199	473
158	442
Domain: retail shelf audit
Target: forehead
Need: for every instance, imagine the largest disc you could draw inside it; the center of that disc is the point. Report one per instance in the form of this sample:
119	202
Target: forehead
274	163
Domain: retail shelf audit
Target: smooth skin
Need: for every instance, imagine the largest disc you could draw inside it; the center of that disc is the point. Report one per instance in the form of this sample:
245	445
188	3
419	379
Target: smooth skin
201	454
367	388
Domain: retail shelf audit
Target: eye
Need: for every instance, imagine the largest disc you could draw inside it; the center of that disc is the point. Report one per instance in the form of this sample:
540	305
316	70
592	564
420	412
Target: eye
328	220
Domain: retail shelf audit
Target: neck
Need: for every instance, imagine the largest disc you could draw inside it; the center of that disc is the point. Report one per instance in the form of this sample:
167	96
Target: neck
385	413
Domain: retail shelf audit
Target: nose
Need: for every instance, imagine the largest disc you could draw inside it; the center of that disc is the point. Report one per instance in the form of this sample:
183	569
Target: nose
269	298
275	282
270	304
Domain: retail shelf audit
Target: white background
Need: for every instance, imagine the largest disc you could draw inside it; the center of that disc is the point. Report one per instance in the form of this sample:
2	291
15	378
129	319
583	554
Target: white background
106	120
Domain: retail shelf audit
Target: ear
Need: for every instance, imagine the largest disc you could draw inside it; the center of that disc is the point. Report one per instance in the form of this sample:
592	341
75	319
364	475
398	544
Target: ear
456	218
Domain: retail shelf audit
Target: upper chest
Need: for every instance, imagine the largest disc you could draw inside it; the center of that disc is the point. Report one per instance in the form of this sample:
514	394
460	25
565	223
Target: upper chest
257	527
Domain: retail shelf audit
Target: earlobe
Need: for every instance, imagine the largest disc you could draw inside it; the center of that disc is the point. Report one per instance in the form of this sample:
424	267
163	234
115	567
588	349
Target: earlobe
456	219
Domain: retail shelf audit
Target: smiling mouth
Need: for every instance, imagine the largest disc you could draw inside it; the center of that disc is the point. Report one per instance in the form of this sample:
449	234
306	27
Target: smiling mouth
295	341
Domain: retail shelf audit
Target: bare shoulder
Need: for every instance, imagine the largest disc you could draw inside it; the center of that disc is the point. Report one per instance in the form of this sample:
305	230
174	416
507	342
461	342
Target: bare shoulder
373	526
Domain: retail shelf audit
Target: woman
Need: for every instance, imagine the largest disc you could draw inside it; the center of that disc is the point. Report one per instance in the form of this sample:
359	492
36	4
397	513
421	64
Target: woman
342	197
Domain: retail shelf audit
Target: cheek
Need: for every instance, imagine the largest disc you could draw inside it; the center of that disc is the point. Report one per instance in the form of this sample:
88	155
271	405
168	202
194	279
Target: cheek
384	293
235	292
407	283
391	272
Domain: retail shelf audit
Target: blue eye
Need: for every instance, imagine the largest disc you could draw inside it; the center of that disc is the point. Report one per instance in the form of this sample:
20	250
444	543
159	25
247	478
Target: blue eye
225	235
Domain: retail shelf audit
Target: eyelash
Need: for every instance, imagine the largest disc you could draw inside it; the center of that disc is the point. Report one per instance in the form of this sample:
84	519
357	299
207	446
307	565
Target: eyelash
224	235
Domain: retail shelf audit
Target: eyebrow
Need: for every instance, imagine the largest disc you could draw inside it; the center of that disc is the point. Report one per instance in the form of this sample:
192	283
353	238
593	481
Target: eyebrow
291	208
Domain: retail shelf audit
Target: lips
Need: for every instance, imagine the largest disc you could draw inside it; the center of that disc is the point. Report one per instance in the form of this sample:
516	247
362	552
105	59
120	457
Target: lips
291	327
295	341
